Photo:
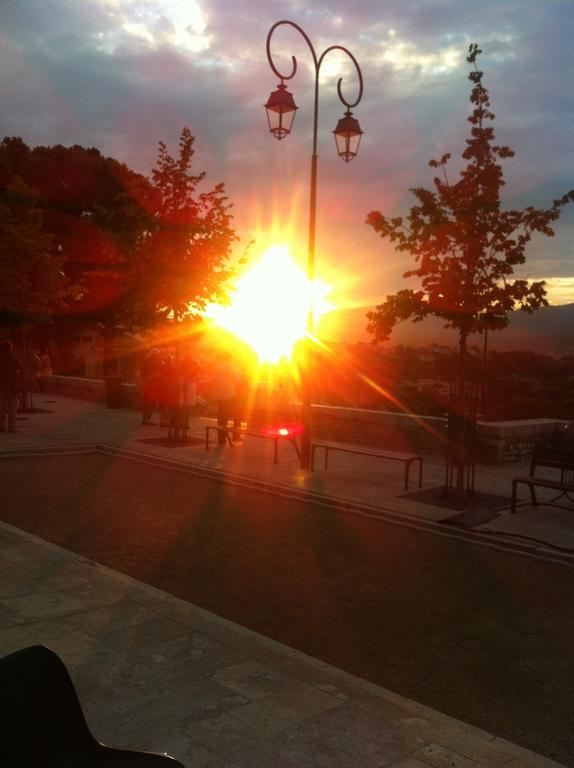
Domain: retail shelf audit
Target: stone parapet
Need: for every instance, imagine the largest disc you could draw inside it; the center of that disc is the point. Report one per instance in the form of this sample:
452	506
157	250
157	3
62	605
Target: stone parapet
94	390
504	441
72	386
498	442
397	431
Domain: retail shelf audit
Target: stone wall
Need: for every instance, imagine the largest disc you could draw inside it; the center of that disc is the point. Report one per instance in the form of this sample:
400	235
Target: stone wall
94	390
397	431
504	441
498	442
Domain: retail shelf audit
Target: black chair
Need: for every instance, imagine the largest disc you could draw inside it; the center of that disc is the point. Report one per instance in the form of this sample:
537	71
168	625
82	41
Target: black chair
42	724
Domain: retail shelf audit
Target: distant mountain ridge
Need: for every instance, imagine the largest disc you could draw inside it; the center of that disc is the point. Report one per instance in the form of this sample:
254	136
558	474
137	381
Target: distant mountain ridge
550	329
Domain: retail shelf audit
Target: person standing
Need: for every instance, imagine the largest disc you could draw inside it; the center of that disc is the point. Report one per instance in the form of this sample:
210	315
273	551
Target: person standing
169	392
43	369
150	376
239	404
224	393
9	370
189	371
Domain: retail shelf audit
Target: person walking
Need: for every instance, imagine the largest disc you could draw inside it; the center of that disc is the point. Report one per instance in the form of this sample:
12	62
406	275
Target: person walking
9	371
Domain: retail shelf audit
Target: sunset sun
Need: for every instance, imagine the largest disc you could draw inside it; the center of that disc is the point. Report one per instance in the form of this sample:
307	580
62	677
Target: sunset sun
269	305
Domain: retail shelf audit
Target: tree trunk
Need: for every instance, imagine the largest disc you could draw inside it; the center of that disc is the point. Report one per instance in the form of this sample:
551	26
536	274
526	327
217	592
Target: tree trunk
483	372
460	448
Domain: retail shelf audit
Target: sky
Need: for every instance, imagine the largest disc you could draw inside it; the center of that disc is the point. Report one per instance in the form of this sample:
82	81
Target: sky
121	75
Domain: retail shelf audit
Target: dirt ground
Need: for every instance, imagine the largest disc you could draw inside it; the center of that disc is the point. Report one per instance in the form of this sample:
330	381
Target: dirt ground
481	635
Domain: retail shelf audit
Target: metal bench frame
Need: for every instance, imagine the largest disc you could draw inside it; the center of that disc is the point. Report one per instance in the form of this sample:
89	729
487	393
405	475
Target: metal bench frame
230	431
543	457
407	460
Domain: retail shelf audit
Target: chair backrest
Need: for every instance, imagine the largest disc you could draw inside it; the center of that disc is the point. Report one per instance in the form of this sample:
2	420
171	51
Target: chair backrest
41	719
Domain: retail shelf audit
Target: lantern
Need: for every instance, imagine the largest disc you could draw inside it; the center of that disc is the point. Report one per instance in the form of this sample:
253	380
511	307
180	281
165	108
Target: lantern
348	136
280	111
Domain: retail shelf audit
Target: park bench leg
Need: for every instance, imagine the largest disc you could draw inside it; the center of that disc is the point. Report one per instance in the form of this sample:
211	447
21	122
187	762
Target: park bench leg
533	494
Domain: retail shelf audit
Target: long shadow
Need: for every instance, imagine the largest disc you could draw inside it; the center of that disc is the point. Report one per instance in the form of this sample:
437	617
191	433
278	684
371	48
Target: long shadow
481	635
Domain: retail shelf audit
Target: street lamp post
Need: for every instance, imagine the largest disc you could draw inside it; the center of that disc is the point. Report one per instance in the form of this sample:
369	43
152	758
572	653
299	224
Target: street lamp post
280	113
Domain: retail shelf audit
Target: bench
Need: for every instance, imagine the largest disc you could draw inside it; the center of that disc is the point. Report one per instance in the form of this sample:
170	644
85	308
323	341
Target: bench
276	437
551	459
407	460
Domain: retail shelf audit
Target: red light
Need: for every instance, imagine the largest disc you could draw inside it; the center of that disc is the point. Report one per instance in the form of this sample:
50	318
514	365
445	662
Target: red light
286	430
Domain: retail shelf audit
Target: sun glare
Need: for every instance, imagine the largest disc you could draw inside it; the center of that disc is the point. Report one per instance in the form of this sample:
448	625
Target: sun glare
269	305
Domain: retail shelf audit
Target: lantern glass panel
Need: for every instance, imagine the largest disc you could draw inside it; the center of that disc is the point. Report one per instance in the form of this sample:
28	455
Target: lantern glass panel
280	110
280	122
347	145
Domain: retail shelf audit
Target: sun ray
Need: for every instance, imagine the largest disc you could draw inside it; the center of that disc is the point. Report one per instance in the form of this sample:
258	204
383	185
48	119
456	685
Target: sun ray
270	304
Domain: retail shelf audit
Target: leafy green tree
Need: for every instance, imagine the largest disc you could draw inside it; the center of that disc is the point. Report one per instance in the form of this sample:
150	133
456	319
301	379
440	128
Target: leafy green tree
181	262
465	246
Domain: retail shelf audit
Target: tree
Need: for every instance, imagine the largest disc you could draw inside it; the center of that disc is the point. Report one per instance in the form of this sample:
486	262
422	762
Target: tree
465	246
180	264
86	205
32	281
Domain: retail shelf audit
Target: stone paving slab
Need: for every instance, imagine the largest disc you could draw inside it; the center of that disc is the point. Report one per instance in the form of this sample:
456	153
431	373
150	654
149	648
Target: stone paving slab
155	672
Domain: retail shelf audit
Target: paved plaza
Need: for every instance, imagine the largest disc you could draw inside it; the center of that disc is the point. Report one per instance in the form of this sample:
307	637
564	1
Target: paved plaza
156	672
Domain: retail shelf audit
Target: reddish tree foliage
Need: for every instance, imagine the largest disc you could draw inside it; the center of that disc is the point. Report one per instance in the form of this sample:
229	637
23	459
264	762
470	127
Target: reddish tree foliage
465	245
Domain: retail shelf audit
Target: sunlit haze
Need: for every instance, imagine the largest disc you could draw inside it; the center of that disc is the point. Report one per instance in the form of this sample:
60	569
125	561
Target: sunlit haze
270	303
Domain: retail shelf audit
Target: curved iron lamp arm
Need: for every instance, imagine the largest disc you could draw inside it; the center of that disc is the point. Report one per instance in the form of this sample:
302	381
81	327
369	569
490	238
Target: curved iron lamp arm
317	62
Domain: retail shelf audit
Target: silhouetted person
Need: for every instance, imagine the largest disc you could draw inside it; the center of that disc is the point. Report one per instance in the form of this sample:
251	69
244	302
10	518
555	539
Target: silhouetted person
42	369
225	389
9	370
239	403
189	371
168	392
150	374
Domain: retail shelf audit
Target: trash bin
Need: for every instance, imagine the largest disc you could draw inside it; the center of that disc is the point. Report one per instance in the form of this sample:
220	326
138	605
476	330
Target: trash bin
114	391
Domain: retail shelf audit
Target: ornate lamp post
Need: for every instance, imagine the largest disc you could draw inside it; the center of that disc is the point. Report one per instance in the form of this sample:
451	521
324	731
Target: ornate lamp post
281	110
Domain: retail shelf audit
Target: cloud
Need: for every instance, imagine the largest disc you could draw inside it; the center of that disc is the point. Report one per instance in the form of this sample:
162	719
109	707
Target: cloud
123	74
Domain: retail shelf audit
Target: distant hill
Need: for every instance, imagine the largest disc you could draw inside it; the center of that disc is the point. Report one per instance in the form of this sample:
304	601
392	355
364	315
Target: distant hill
550	329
